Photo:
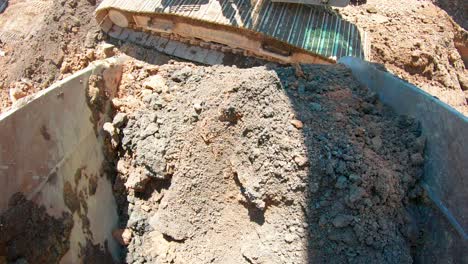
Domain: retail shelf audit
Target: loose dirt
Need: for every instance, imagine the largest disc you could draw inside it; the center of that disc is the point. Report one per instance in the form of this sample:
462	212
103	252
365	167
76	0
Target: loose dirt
417	41
227	165
42	41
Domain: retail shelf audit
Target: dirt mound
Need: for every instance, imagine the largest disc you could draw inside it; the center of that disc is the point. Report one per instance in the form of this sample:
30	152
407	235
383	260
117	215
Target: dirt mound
226	165
418	41
43	41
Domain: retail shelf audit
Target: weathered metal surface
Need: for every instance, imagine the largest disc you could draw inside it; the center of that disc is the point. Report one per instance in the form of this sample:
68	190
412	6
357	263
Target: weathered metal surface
53	140
310	28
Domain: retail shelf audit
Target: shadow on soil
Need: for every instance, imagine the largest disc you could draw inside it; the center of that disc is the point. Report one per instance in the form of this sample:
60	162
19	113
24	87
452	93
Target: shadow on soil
363	200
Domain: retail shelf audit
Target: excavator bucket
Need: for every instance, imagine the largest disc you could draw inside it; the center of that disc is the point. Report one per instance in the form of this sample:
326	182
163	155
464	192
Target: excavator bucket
280	32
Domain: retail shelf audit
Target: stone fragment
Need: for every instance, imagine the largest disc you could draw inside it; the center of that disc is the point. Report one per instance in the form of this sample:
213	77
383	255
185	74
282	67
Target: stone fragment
301	161
16	94
417	159
342	220
315	107
150	130
119	120
156	83
123	236
371	10
108	50
230	114
136	181
297	124
182	75
289	238
197	107
110	129
356	193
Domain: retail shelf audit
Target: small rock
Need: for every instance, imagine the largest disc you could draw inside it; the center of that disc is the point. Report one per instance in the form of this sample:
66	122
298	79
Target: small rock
145	208
198	108
136	181
156	83
230	114
315	107
108	50
16	94
90	39
150	130
371	10
301	161
356	193
342	220
323	220
119	120
359	132
110	129
314	187
123	236
355	178
417	159
289	238
297	124
182	74
341	183
463	81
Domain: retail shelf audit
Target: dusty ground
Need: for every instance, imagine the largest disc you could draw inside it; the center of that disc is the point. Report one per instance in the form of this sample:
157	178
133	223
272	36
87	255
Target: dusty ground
227	165
42	41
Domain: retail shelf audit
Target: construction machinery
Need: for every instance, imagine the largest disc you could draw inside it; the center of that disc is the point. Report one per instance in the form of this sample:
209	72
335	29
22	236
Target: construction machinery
285	31
3	5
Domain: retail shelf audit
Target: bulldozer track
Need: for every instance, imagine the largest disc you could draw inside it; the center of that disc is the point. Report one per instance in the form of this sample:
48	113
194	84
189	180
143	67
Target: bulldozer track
280	32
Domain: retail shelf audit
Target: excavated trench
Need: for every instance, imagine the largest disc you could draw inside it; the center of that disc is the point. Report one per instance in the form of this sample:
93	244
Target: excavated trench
178	163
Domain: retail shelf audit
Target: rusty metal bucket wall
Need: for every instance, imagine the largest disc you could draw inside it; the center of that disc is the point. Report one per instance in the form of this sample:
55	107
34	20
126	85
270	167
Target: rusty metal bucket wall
54	140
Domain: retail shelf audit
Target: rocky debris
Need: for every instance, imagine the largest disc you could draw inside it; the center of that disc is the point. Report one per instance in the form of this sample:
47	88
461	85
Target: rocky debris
123	236
107	50
53	49
19	90
342	220
238	166
137	181
297	124
156	83
119	120
417	41
230	114
372	10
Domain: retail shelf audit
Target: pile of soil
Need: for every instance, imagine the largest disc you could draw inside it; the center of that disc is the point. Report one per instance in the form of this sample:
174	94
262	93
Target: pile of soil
262	165
419	42
58	40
